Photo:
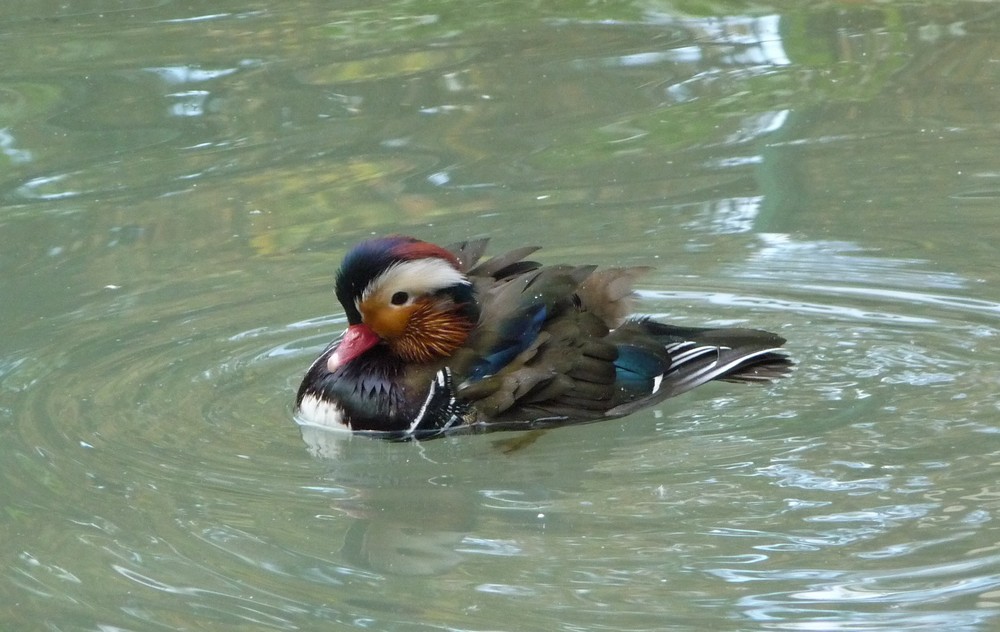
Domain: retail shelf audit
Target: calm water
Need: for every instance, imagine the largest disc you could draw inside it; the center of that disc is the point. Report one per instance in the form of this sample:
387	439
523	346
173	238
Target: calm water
178	181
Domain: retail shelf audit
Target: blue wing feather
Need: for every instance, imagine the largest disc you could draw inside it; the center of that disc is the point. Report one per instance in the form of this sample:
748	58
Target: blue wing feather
637	367
517	335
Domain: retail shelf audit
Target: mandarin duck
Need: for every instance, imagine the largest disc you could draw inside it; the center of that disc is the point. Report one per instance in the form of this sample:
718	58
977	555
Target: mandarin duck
438	342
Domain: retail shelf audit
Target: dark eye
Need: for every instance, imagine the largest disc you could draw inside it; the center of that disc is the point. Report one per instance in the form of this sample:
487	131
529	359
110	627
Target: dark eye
399	298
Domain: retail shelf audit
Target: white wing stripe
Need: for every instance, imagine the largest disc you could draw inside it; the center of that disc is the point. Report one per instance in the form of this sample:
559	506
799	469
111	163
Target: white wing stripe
714	370
687	356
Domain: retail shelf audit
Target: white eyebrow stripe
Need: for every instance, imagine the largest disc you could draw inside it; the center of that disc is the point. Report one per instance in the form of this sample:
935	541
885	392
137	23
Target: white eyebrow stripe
420	276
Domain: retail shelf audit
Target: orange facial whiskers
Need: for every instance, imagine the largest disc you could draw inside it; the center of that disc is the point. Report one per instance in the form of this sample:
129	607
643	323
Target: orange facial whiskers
432	332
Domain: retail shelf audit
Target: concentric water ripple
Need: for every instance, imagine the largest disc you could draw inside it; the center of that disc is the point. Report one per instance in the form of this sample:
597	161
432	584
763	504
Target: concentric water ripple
175	420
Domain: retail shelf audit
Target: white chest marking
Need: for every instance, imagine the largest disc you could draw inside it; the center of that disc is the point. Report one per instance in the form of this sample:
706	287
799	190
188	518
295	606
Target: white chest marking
316	411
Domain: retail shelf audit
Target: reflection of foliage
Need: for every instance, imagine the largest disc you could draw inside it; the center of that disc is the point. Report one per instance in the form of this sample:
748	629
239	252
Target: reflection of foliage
404	112
845	54
832	56
21	100
382	67
570	99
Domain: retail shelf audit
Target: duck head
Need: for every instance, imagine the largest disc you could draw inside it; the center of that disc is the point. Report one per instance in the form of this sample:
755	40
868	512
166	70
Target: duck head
408	295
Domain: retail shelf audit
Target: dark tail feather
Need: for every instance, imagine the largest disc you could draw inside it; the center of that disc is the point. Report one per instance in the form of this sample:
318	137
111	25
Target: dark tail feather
700	355
766	367
695	362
